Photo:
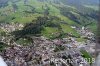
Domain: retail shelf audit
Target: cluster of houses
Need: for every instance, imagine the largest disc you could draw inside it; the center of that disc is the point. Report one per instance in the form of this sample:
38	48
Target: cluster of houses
11	27
41	51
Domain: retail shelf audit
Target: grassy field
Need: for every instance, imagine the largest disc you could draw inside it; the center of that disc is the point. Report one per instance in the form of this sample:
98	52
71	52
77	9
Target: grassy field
68	29
50	32
23	42
80	39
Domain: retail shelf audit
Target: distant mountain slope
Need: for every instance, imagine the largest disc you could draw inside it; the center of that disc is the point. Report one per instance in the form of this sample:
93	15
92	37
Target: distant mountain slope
63	13
3	3
77	2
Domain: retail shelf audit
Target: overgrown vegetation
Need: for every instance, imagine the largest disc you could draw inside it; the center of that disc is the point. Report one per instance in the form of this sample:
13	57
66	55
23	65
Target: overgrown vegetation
59	48
2	46
87	56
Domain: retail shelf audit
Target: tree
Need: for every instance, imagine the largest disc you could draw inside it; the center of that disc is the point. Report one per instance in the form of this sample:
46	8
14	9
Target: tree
31	28
14	7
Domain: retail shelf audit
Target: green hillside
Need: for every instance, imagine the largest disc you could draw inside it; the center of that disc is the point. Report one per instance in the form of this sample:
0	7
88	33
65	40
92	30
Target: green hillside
57	13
